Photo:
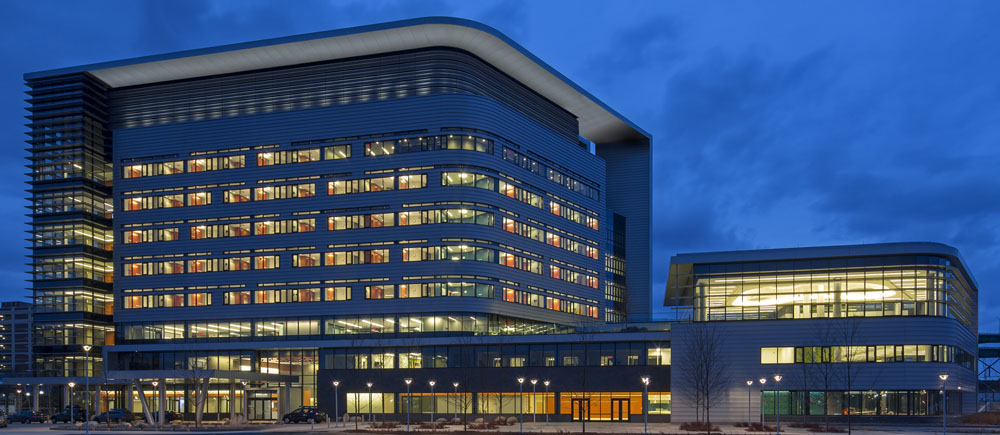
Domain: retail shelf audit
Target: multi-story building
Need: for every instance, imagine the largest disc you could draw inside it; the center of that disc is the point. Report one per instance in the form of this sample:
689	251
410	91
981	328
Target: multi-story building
15	338
425	178
433	218
865	330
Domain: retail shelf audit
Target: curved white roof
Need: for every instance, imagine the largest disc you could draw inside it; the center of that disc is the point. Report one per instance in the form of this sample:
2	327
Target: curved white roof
598	122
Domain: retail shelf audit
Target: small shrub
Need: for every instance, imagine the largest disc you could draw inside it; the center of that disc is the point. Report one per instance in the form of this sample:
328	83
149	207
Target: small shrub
385	425
698	426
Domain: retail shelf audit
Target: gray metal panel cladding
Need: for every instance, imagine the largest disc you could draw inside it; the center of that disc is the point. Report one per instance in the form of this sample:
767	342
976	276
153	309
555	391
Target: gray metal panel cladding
337	82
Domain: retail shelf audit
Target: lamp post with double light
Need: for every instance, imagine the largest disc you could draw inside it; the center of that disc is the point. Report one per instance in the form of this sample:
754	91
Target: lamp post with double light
457	402
86	372
645	404
777	404
944	403
520	394
409	402
762	381
546	383
749	385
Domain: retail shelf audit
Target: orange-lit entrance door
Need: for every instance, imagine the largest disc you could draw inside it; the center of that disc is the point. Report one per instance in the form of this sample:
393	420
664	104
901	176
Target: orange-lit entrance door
619	410
581	409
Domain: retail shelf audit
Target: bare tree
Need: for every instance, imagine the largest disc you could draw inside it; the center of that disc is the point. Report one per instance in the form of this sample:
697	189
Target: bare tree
821	359
848	335
200	379
705	367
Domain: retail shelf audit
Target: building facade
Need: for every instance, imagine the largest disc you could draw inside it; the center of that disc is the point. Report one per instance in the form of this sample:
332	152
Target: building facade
15	338
860	330
432	219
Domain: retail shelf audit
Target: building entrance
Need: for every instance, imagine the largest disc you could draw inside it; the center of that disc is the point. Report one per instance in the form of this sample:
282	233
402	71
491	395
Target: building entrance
262	405
619	410
581	409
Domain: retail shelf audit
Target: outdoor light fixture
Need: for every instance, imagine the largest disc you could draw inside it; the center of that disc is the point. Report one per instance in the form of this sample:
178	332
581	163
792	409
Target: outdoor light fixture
645	405
409	402
546	383
944	403
749	385
336	404
520	394
433	400
534	414
777	403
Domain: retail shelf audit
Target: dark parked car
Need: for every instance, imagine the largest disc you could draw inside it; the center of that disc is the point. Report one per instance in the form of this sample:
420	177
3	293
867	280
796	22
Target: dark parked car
116	415
168	416
64	417
28	417
303	414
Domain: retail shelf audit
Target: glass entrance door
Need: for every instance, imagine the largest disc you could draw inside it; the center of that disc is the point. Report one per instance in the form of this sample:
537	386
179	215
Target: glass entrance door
619	410
581	409
262	405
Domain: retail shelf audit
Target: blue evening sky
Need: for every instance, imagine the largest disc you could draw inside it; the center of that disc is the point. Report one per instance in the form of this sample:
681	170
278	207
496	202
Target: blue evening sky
775	123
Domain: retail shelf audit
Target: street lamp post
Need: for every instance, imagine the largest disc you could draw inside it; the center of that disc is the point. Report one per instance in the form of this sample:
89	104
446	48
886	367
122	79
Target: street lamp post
156	404
245	416
17	406
433	401
762	382
749	385
455	384
520	394
336	403
944	403
72	417
777	404
546	383
409	402
645	405
86	372
534	414
371	412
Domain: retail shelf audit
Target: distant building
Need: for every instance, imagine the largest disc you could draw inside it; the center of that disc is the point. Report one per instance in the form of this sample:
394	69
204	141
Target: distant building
15	338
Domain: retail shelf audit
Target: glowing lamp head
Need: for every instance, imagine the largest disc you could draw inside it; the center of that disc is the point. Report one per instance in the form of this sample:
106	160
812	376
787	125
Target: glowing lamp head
432	383
244	383
155	383
777	378
369	384
454	384
336	384
87	347
547	383
645	380
534	381
520	380
943	376
749	383
72	384
762	381
408	381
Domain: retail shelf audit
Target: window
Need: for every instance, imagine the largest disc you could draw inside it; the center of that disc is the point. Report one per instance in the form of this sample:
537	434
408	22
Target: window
305	260
412	181
375	220
236	195
344	258
153	169
199	299
287	296
361	185
216	163
199	198
446	289
285	191
380	291
337	152
448	253
338	293
428	143
269	158
153	202
284	226
518	262
513	191
445	216
151	235
777	355
236	298
266	262
468	179
216	231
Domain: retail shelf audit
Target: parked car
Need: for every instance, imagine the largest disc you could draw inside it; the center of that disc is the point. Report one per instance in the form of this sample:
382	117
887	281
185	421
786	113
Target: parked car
303	414
28	417
116	415
168	416
64	417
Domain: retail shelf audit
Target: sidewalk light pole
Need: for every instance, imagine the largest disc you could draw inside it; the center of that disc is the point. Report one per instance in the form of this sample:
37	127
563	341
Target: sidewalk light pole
645	405
409	402
749	385
86	372
156	405
944	402
520	387
336	404
777	404
534	414
546	383
433	401
455	384
371	412
72	417
762	382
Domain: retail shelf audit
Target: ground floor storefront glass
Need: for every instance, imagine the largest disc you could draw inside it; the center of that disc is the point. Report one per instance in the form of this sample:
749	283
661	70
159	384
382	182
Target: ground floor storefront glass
860	403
